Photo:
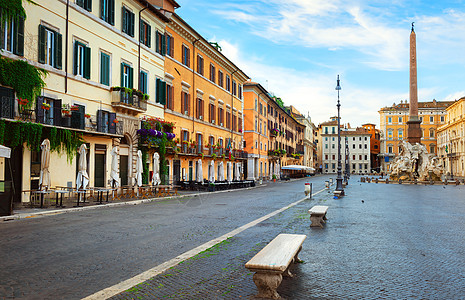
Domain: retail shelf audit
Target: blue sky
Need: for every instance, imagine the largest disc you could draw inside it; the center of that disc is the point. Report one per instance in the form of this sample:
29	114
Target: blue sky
296	49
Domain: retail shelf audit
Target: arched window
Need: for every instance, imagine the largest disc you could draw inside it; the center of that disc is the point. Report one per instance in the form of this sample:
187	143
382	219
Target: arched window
432	148
431	132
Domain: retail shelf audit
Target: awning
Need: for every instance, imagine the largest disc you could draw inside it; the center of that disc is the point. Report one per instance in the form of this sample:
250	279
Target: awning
298	168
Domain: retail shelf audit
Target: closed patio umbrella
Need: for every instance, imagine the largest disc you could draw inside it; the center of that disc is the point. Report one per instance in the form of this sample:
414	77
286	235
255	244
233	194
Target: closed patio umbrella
44	180
114	174
82	179
156	169
199	171
211	171
229	172
139	170
221	171
237	176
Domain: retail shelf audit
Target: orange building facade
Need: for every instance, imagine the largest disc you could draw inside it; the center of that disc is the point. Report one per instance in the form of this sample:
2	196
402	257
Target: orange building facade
374	145
204	100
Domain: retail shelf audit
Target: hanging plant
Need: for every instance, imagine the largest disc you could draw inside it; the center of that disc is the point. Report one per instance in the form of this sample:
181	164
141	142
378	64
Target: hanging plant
12	10
24	78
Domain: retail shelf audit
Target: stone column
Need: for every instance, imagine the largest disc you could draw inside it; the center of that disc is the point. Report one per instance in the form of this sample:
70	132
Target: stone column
413	124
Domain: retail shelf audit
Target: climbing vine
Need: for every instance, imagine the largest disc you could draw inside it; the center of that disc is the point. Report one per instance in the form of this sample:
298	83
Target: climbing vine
12	10
145	172
163	166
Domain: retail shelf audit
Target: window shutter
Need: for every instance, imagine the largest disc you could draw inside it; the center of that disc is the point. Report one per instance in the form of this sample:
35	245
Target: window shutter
100	120
131	23
149	36
58	52
75	57
41	44
57	112
141	32
88	5
163	93
122	74
182	102
102	10
111	12
188	57
125	20
157	41
157	90
163	44
39	111
111	123
131	77
18	40
87	62
105	69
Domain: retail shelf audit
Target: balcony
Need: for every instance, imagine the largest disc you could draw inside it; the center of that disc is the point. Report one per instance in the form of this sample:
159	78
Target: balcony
130	103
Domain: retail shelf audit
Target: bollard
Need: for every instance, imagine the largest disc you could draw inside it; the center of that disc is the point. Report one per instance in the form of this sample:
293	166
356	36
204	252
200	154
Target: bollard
327	184
308	189
376	180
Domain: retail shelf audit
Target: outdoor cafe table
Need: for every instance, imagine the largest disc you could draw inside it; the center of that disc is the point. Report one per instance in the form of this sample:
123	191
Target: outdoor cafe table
163	190
41	193
100	192
61	192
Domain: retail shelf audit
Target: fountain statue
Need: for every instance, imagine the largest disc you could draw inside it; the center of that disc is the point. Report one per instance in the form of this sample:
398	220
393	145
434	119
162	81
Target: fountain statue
414	162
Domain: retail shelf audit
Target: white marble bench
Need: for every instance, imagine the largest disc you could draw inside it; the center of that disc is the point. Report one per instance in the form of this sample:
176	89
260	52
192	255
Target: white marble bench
318	215
273	262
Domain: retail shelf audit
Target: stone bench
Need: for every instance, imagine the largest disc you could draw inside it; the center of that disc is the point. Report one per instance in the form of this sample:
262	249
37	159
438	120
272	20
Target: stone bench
318	215
273	262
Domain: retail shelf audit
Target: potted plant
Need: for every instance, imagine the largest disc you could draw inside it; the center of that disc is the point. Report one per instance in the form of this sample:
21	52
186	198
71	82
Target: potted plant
274	177
211	187
45	106
214	156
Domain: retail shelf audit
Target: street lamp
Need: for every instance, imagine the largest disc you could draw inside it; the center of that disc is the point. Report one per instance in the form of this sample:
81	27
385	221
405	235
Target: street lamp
339	189
346	171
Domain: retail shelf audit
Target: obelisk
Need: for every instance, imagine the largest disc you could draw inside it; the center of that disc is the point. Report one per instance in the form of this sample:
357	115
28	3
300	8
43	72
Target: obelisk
413	124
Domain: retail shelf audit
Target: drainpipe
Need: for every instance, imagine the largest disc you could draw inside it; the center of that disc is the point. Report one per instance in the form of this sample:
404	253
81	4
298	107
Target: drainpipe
194	92
66	47
232	103
138	67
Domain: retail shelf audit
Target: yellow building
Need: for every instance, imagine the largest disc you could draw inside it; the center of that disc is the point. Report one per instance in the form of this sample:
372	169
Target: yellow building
102	64
393	126
451	139
204	100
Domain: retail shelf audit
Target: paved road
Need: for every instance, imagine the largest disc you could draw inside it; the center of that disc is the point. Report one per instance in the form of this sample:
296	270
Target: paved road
73	255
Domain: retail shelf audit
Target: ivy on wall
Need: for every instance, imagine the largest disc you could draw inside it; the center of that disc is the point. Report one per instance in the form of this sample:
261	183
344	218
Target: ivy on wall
12	9
25	79
61	140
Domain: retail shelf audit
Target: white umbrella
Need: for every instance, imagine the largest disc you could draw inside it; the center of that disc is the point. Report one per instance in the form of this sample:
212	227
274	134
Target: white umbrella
229	167
44	180
139	169
156	169
114	174
199	171
221	171
82	179
238	175
211	171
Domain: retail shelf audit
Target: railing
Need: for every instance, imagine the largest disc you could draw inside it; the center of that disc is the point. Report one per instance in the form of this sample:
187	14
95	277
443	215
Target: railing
128	101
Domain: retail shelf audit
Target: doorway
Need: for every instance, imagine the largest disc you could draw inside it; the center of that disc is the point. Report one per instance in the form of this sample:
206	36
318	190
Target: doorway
123	169
176	171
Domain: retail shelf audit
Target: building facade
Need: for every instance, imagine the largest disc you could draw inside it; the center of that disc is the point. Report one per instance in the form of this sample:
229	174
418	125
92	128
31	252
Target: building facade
102	66
374	146
393	126
451	139
204	100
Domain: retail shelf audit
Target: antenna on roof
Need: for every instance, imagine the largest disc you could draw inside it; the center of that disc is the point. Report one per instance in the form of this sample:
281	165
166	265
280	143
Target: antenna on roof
215	44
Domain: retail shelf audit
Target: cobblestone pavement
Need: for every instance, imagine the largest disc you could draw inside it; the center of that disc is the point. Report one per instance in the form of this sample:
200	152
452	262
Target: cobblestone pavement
73	255
401	242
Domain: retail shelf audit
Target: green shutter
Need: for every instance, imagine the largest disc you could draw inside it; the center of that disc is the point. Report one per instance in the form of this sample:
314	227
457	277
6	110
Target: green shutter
75	57
18	39
41	44
141	31
157	42
88	5
131	77
149	36
125	20
87	62
163	93
102	10
105	69
157	90
58	51
111	12
122	74
163	44
131	24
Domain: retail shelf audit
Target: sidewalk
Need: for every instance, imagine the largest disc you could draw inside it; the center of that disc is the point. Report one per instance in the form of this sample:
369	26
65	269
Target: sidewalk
389	246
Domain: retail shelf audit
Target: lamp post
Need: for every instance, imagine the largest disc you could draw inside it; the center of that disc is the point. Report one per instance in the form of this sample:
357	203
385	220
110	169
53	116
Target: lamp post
346	168
339	189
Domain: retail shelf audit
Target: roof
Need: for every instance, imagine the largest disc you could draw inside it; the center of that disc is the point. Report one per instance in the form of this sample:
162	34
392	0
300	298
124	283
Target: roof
328	123
357	131
421	105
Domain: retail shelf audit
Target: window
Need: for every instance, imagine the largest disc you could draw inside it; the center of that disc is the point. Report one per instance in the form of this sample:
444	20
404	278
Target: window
401	134
161	43
389	148
240	92
359	146
200	65
212	73
212	110
160	91
333	130
432	148
390	133
389	120
353	156
50	45
104	69
326	156
145	35
333	165
220	116
400	119
442	118
169	97
234	123
199	109
359	157
107	11
332	146
421	119
105	121
185	103
431	119
12	36
228	83
126	75
333	157
366	157
185	55
353	146
234	86
185	140
169	45
366	146
228	120
431	132
199	143
143	79
220	78
326	130
86	4
81	60
128	22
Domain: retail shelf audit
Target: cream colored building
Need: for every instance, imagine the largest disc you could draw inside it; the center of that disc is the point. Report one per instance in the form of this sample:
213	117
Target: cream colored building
91	49
451	139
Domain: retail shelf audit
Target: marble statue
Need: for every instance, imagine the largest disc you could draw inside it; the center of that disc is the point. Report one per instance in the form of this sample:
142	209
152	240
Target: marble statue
414	162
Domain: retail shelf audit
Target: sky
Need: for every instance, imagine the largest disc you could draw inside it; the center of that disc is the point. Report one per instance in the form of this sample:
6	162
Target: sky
296	49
